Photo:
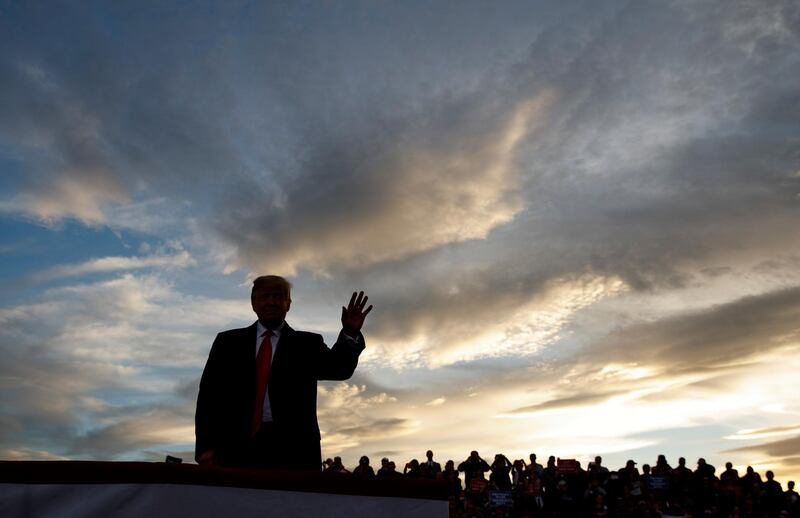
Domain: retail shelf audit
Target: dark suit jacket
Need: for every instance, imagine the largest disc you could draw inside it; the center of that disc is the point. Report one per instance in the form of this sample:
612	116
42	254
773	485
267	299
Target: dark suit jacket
228	387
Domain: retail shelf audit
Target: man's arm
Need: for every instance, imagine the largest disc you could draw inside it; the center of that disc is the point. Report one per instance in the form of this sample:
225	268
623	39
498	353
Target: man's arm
207	404
339	362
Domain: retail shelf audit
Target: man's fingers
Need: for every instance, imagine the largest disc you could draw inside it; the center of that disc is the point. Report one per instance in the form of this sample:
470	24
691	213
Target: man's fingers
357	302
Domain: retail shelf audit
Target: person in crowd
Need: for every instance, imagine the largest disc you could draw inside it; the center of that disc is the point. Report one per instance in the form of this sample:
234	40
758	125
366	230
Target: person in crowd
597	470
550	481
615	489
679	484
335	466
704	494
477	492
771	496
535	465
705	469
472	465
501	469
564	503
729	477
729	489
430	468
364	469
645	481
590	495
751	482
577	481
630	473
533	501
412	469
519	472
450	475
681	468
662	467
791	500
384	467
391	471
750	487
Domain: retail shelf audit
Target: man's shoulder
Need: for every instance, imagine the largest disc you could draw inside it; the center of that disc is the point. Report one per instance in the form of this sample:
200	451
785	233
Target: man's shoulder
301	337
236	333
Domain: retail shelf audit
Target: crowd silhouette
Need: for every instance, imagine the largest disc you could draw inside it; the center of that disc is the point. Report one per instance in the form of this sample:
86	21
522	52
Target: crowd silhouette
563	488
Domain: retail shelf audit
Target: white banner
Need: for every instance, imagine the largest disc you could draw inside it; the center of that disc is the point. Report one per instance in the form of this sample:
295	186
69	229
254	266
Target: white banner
178	500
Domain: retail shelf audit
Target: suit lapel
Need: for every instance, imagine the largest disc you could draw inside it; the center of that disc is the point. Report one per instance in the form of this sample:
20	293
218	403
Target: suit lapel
248	355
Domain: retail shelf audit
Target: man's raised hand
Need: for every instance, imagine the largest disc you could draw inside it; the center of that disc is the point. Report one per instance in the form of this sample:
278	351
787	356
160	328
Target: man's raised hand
354	314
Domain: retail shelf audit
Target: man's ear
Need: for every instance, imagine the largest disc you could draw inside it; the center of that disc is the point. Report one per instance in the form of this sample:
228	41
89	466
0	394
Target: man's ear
288	303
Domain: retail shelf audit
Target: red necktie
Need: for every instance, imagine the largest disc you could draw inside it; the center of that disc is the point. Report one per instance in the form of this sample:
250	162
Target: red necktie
263	360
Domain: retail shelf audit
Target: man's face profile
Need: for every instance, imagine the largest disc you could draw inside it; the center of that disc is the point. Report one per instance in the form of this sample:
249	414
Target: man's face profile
271	303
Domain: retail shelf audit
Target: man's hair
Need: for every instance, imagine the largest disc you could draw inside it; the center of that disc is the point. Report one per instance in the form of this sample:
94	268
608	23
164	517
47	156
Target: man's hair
272	280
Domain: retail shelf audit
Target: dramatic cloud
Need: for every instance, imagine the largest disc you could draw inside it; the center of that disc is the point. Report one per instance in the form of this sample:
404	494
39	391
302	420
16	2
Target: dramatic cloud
347	416
567	402
156	427
759	433
596	143
109	264
422	185
126	320
85	347
726	335
458	325
783	448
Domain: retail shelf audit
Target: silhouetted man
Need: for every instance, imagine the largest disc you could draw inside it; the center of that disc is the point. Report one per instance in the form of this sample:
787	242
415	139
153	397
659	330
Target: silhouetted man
535	466
792	499
430	468
364	469
772	495
257	405
662	467
384	467
730	476
599	471
472	467
704	469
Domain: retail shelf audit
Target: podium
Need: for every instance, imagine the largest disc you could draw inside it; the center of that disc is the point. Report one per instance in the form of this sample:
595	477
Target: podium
140	489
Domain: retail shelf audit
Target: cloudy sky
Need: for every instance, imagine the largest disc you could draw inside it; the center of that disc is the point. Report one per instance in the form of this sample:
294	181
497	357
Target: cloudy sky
578	221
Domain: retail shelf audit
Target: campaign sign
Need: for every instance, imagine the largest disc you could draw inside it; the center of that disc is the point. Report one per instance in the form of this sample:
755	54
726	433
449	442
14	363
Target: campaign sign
501	499
567	466
658	483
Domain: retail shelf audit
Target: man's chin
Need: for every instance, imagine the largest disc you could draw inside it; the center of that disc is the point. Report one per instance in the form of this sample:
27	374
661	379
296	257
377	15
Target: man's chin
271	322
